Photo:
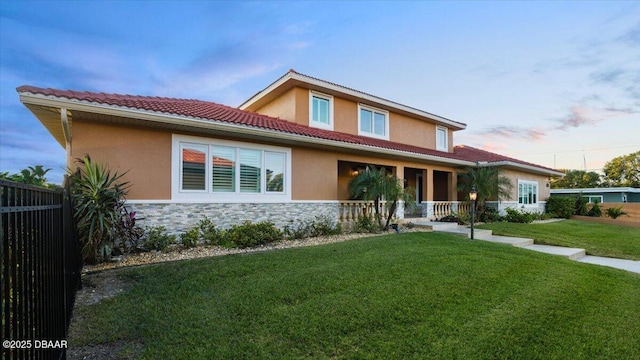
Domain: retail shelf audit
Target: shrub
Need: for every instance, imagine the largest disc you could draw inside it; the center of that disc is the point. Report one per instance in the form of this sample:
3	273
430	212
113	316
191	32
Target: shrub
301	230
190	238
615	213
450	218
324	226
209	233
489	215
156	238
580	205
563	207
248	234
516	216
366	224
595	210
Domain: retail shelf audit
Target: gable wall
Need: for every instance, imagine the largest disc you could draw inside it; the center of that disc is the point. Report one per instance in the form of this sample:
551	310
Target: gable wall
293	105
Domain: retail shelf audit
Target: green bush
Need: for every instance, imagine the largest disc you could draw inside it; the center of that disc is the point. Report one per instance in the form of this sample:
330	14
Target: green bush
615	213
366	224
489	215
325	225
190	238
580	205
562	207
301	230
595	210
452	218
516	216
249	235
209	234
156	238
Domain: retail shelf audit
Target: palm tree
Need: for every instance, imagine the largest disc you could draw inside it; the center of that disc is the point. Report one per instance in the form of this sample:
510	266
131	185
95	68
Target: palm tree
375	185
489	183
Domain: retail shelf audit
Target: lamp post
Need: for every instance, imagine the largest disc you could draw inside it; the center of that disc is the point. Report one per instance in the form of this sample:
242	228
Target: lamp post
473	195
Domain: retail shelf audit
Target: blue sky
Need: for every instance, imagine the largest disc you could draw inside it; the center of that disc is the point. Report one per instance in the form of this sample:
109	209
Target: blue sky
554	83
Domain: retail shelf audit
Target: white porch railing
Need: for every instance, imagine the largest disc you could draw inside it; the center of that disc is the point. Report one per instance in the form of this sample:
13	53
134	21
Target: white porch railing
353	210
434	210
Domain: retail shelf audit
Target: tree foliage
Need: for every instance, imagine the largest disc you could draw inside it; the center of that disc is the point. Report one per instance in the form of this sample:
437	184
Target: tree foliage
32	175
489	182
577	179
375	185
623	171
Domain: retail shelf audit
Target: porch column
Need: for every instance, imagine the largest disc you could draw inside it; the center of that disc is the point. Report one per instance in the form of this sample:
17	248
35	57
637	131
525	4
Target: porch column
453	185
427	184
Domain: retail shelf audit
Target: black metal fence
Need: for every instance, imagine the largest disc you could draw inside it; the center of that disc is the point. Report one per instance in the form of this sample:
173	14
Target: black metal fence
40	272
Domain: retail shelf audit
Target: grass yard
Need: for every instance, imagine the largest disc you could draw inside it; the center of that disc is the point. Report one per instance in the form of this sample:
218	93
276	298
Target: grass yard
597	239
407	296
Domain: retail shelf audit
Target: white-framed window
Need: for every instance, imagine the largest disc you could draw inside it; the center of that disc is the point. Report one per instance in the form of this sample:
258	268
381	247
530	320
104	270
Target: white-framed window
206	170
592	199
320	110
527	192
373	122
442	139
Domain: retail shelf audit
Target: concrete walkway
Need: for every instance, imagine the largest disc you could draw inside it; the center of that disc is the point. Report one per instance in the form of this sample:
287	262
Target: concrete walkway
570	253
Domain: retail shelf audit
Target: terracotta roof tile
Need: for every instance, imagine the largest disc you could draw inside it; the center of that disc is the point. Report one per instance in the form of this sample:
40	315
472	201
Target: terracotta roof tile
206	110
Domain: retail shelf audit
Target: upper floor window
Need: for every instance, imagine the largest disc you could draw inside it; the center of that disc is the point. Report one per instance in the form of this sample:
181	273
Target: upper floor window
527	192
442	139
320	110
373	122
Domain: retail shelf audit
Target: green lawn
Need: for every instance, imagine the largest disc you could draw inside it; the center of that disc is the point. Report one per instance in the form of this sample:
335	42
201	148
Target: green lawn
597	239
407	296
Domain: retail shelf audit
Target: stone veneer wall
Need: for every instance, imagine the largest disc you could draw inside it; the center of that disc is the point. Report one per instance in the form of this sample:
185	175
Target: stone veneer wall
181	217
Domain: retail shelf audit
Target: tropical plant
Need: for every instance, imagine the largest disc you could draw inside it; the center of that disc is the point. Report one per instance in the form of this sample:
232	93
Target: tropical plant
98	199
615	212
376	185
595	210
488	182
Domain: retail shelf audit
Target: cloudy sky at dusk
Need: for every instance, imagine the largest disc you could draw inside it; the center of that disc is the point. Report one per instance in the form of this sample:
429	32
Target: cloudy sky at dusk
554	83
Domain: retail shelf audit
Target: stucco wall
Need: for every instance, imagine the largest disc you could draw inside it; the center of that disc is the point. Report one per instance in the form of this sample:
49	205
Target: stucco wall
402	128
543	181
145	154
284	107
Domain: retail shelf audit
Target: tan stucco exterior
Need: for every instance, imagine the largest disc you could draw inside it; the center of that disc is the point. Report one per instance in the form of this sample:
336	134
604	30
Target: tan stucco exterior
293	105
543	190
144	154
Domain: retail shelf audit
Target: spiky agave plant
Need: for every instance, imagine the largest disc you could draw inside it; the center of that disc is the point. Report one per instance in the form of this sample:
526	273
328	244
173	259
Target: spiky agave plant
98	199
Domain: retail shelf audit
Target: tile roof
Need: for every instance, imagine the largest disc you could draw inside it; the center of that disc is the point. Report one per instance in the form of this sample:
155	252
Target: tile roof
470	153
205	110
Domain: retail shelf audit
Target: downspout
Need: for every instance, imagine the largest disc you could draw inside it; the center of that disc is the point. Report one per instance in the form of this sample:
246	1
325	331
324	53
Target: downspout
66	128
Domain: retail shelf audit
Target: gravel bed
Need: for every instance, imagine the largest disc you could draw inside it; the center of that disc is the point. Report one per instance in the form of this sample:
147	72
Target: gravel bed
176	252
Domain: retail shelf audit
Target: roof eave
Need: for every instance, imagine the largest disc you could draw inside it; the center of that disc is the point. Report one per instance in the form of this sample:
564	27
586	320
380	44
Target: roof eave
529	168
454	125
78	105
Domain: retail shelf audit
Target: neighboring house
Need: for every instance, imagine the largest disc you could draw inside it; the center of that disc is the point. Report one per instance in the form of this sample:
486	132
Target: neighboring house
286	154
602	195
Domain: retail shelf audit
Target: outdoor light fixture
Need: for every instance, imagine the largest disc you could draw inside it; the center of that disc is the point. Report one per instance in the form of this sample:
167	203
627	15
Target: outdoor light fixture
473	195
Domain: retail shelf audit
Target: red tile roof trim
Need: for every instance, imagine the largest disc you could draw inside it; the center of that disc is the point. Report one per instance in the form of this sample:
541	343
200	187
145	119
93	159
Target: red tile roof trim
211	111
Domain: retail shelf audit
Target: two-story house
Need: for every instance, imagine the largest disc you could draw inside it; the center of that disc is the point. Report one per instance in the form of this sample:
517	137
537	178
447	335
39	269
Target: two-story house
286	154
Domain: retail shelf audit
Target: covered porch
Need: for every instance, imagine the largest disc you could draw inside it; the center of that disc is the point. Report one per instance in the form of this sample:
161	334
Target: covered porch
434	188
